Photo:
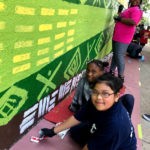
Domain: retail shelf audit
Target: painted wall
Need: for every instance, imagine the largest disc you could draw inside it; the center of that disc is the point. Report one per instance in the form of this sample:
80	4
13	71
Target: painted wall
44	47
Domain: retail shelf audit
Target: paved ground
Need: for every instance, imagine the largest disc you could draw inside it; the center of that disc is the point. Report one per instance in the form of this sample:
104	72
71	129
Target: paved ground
145	96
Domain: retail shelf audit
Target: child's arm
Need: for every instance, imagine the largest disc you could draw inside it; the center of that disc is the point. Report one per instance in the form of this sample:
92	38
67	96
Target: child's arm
70	122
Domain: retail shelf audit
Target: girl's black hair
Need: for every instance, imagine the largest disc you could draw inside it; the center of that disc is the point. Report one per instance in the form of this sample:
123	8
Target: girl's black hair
130	3
120	8
140	2
113	82
99	63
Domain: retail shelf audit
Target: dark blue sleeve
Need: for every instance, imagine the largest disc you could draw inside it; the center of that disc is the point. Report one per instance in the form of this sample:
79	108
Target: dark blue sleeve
85	111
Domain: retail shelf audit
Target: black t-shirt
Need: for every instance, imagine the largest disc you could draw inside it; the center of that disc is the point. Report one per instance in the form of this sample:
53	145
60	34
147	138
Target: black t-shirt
111	129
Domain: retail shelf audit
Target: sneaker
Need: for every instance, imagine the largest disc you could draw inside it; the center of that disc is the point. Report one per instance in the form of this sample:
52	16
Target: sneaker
146	117
142	58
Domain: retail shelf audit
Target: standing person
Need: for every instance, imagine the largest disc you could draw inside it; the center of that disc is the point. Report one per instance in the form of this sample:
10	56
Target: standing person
108	123
95	68
125	25
144	36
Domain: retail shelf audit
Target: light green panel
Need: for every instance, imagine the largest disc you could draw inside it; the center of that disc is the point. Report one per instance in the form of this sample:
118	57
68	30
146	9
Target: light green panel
34	33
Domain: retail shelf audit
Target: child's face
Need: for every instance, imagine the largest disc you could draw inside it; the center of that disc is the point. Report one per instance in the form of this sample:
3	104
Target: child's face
103	97
93	72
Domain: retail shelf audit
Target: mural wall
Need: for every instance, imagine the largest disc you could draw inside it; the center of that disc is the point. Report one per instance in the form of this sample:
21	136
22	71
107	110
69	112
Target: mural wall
44	47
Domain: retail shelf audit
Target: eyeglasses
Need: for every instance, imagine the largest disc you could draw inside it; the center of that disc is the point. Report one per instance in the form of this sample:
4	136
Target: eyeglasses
102	94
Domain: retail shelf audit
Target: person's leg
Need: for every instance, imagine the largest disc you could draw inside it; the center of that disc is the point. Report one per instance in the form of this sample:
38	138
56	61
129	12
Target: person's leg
113	61
128	102
80	133
121	49
120	53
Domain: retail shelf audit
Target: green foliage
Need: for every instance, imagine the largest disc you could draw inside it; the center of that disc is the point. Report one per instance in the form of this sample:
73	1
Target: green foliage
146	9
146	5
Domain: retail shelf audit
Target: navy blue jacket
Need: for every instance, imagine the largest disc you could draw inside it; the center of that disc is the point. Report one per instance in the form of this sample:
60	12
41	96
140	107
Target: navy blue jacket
111	129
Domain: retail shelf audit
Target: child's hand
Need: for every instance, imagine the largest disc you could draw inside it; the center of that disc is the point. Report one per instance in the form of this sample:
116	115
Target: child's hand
117	18
48	132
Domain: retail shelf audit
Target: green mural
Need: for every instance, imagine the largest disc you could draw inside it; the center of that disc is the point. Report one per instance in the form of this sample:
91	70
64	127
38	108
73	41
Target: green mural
111	4
43	82
44	45
36	33
33	36
11	103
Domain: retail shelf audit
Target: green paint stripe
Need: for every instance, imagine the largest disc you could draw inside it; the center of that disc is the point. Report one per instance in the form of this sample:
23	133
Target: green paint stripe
140	131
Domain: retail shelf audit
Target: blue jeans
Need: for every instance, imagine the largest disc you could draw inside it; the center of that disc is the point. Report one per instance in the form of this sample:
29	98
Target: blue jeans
119	51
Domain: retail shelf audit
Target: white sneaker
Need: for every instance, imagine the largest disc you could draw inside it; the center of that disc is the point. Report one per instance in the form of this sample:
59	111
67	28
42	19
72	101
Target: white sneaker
142	58
146	117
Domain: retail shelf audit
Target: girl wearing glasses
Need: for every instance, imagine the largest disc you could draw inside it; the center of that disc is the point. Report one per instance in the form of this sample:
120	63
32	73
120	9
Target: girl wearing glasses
103	124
